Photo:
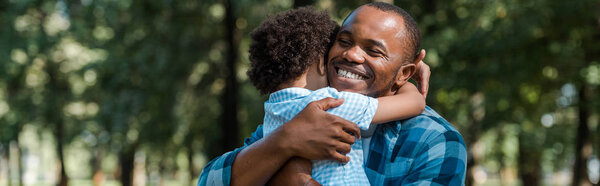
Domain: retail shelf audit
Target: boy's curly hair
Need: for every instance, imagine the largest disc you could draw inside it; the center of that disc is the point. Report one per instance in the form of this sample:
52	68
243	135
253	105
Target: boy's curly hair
285	45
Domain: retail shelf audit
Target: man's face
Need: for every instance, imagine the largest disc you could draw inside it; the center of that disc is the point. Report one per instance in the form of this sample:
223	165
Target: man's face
367	53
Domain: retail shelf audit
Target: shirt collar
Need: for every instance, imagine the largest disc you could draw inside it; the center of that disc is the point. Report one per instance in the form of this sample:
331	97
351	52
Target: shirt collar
392	126
287	94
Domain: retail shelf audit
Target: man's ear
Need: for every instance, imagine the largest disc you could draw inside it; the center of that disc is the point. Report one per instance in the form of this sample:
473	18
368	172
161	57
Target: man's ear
408	70
322	69
404	73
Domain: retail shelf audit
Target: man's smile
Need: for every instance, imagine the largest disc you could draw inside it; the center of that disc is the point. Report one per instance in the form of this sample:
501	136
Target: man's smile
350	72
349	75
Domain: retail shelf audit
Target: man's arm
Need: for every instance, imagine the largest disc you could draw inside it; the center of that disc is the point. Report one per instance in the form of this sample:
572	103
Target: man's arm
442	162
218	171
297	171
312	134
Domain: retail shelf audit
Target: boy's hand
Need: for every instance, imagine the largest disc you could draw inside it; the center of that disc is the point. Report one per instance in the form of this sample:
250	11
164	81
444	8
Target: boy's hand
317	135
422	75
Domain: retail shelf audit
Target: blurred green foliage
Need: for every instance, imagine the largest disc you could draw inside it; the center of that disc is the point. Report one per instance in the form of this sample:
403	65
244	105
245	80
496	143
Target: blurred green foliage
112	79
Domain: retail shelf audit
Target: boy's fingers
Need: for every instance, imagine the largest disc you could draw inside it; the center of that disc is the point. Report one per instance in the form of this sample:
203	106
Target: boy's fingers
422	54
424	72
424	84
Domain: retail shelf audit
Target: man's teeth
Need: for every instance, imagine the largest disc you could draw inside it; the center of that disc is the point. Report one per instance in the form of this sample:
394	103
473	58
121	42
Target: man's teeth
349	75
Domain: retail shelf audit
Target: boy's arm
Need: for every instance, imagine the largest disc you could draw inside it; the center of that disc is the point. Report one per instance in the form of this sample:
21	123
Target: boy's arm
407	102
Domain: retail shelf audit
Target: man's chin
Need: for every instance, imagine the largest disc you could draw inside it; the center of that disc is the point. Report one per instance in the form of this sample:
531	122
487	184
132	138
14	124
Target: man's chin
347	87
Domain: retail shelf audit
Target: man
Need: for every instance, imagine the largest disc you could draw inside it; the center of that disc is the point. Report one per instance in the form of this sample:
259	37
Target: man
379	42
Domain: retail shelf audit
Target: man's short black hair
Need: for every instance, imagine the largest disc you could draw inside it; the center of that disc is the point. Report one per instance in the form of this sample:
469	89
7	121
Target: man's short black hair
414	35
285	45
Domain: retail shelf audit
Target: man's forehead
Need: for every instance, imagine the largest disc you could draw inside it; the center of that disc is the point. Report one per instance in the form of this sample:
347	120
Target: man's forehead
380	18
374	24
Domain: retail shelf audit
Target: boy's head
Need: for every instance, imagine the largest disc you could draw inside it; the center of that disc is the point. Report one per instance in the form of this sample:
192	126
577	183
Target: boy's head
284	46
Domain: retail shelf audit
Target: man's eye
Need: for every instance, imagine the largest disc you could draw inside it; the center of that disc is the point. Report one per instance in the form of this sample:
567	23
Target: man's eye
344	42
374	52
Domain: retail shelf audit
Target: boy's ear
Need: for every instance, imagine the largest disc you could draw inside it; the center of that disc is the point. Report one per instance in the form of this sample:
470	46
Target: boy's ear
322	68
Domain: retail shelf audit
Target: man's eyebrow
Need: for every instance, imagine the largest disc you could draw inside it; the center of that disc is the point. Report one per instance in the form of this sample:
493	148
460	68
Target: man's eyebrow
378	44
371	41
345	32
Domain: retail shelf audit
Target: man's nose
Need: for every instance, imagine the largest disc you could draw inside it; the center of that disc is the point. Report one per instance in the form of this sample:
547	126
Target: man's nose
354	54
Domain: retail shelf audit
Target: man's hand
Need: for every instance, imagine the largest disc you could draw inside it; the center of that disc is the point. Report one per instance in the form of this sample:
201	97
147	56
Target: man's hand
297	171
313	134
317	135
422	74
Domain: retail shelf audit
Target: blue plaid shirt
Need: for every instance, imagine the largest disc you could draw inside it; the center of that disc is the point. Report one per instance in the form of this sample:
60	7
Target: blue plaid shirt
423	150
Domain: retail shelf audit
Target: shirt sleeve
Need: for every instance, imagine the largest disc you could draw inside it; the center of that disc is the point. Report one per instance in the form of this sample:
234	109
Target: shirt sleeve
442	162
356	108
218	171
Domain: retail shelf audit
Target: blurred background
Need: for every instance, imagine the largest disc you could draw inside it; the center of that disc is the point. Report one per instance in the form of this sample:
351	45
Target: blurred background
145	92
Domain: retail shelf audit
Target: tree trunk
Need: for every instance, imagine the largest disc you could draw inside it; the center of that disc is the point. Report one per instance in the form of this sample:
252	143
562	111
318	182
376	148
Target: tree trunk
8	166
301	3
19	162
56	87
191	168
162	169
528	161
500	155
126	160
583	149
229	100
63	179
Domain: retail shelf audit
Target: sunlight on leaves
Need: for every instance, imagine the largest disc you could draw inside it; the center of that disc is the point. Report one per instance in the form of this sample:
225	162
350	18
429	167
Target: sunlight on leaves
103	33
199	71
592	74
19	56
74	55
56	23
217	11
36	76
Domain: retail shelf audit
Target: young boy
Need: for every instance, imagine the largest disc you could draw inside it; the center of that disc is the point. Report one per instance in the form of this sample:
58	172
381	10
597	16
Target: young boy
287	60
